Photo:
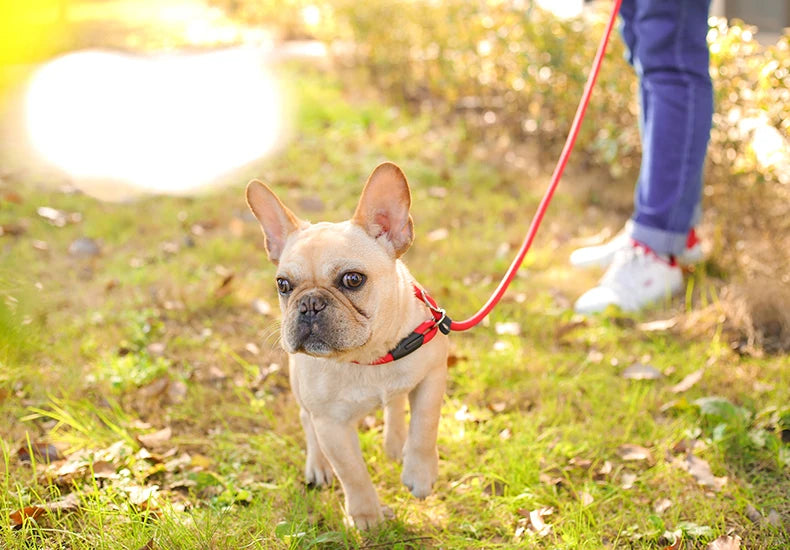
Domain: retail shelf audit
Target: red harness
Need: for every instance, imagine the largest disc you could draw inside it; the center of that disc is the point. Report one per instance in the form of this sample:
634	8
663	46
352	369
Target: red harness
421	335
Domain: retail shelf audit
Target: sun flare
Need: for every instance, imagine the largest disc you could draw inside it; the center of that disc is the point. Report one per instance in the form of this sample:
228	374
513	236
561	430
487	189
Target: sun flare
166	124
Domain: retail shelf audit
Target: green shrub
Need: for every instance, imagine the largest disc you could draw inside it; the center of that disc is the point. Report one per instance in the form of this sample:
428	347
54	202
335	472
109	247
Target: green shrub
514	71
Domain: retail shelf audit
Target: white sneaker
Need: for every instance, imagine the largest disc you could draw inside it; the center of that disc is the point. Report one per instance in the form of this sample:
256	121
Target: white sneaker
636	278
602	255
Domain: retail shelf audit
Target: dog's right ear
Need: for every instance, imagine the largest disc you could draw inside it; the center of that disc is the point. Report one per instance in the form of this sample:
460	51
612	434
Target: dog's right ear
276	220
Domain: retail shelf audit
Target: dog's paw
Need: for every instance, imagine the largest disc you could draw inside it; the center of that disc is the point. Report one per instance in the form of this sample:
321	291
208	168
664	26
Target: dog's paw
370	519
318	472
419	473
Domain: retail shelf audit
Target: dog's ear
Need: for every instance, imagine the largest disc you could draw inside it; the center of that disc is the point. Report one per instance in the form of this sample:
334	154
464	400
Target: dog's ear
383	209
276	220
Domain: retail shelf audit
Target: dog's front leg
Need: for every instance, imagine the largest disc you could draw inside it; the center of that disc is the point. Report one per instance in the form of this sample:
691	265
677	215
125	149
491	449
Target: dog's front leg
420	457
395	426
340	444
317	470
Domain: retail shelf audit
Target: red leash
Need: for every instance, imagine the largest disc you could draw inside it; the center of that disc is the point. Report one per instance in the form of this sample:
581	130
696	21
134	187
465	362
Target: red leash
555	180
441	322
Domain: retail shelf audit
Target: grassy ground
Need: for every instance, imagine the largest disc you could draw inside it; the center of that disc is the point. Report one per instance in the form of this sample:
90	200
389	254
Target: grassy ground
167	328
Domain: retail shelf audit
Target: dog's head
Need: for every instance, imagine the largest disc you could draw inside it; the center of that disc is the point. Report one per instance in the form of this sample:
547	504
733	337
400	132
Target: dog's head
338	282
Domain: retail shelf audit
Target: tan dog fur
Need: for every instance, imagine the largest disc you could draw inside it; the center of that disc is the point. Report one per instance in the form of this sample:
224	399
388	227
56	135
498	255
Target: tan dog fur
330	348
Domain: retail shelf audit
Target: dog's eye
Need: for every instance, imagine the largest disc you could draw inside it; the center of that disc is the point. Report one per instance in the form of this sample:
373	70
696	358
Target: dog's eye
352	280
284	286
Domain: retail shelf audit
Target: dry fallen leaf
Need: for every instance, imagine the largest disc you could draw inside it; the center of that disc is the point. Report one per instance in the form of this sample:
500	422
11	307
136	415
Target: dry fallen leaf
687	382
566	328
579	462
773	518
638	371
656	326
661	505
700	470
42	452
586	498
58	218
627	480
753	514
13	229
156	439
225	287
726	542
630	451
678	539
65	504
103	469
538	526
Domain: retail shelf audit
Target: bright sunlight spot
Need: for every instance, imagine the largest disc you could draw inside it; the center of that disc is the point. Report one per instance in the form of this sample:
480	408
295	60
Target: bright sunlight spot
167	124
563	8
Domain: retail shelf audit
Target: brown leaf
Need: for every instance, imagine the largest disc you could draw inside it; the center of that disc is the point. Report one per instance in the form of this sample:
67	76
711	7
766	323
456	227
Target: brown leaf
12	196
225	287
150	545
12	229
566	328
579	462
638	371
42	452
726	542
603	471
629	451
67	503
453	359
586	498
497	407
700	471
29	512
495	488
753	514
104	469
546	479
156	439
687	382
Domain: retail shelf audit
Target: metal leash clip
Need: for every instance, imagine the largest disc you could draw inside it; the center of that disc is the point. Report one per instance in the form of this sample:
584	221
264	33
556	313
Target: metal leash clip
443	322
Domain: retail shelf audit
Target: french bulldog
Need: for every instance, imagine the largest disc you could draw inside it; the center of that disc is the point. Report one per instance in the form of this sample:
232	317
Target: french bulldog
347	300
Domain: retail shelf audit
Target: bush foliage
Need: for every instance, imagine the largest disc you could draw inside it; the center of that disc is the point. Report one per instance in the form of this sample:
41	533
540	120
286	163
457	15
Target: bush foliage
512	69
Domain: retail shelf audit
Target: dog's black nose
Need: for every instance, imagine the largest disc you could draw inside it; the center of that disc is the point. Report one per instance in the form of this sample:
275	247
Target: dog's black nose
311	304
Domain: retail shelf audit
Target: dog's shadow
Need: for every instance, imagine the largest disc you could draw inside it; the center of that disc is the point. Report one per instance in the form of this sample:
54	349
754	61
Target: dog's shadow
317	522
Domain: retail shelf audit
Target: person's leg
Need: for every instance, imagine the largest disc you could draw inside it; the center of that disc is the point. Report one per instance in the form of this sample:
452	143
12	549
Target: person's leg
671	59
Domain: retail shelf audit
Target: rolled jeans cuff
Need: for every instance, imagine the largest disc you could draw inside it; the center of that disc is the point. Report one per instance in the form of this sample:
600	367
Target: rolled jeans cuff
660	241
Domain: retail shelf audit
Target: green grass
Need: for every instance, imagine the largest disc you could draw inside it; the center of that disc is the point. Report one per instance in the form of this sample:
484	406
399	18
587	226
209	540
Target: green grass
97	352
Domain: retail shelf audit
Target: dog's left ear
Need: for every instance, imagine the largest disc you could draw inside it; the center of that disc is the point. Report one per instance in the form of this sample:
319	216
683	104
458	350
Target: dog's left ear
383	209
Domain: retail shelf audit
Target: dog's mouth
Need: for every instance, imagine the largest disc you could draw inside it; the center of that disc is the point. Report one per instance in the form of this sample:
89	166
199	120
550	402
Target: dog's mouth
315	346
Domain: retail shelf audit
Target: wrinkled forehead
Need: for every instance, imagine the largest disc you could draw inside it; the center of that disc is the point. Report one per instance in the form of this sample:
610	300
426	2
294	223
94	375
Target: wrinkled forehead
324	250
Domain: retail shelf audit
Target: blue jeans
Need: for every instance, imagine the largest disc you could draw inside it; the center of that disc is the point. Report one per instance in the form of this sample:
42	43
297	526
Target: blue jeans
667	47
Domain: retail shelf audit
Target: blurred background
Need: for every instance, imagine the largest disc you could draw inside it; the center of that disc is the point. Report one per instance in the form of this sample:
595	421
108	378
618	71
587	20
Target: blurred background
138	315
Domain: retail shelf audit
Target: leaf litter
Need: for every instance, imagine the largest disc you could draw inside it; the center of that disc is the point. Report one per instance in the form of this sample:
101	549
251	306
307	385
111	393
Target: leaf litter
639	371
